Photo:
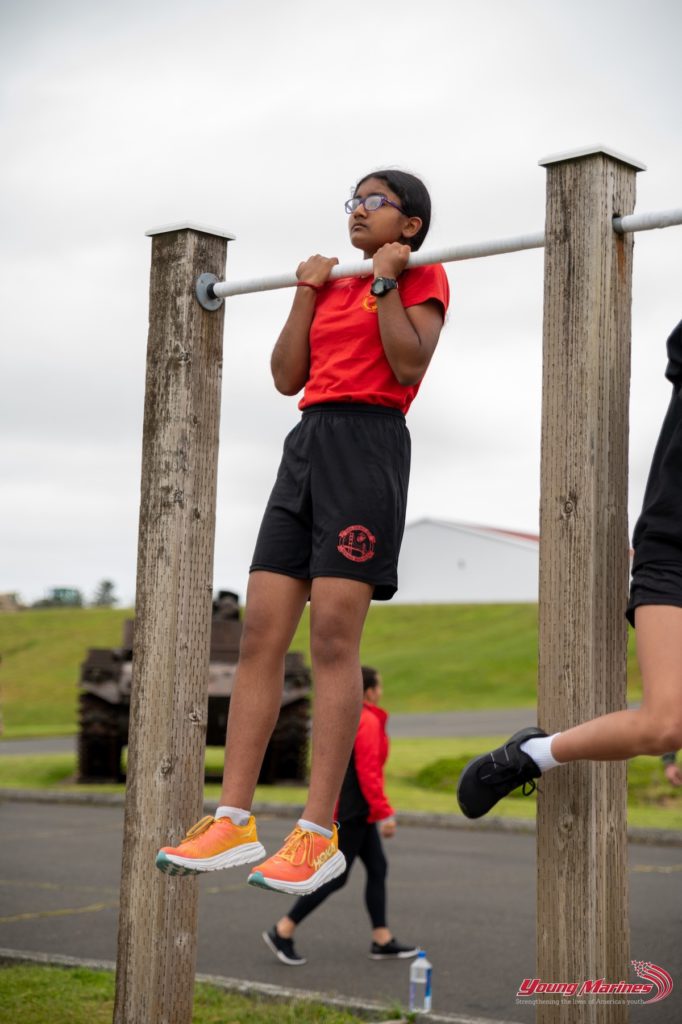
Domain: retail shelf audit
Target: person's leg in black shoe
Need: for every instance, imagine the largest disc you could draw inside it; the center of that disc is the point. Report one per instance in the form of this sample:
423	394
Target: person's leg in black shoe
350	840
655	609
489	777
384	944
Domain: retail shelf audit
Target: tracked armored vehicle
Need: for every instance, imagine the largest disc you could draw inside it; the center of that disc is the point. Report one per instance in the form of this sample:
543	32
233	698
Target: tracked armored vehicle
104	703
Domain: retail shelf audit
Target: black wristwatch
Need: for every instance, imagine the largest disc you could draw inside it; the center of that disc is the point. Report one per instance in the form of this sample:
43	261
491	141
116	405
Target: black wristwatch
381	285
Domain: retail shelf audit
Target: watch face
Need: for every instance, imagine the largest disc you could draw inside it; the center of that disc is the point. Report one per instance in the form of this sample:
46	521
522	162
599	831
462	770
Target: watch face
381	285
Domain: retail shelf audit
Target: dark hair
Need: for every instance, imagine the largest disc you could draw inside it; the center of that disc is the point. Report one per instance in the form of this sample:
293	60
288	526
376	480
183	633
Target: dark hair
414	199
370	676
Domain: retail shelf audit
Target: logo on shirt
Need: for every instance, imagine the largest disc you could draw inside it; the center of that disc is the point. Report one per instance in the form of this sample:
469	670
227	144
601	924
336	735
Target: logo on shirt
369	303
356	543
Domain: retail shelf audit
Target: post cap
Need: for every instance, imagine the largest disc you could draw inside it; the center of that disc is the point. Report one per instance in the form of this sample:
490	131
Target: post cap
575	154
188	225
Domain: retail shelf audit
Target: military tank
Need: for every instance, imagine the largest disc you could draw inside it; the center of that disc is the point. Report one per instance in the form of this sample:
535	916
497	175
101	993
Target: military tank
104	703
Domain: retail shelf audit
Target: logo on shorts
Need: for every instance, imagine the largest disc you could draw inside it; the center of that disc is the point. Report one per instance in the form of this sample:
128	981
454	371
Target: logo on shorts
356	543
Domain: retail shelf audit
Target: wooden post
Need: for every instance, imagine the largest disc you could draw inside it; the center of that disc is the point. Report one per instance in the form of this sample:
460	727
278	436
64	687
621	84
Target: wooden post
158	914
582	917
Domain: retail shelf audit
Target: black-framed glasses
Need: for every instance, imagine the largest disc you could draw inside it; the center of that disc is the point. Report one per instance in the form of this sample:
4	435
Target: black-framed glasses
370	203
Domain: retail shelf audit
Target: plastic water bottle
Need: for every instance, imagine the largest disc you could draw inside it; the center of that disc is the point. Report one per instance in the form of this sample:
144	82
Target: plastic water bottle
420	983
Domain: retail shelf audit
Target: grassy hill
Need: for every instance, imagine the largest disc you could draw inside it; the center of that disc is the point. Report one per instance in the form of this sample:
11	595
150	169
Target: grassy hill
41	654
432	658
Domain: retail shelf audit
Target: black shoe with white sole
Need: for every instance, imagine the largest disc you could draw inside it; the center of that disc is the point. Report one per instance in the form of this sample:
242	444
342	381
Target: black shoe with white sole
283	948
488	778
392	950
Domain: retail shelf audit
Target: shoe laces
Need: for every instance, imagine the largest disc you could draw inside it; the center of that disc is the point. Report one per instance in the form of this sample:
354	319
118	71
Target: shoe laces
299	848
498	774
200	827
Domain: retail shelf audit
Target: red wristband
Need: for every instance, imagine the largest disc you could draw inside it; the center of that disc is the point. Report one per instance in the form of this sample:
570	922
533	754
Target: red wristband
308	284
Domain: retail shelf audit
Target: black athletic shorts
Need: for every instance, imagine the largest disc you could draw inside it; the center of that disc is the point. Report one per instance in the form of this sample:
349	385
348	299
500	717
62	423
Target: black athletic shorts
655	583
657	537
338	504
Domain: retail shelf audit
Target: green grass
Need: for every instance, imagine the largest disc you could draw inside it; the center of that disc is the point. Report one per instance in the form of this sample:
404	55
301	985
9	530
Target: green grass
37	995
41	656
454	657
421	775
432	658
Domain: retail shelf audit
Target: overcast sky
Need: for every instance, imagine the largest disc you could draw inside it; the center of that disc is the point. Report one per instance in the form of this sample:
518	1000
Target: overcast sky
257	117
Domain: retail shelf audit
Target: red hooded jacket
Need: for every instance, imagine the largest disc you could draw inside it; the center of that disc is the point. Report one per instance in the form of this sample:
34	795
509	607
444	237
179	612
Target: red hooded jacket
362	792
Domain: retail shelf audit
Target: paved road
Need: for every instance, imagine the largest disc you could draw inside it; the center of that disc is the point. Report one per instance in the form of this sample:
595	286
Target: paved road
40	745
461	723
467	897
441	724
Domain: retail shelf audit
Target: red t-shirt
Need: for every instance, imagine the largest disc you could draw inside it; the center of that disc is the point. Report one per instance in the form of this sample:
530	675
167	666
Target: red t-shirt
347	359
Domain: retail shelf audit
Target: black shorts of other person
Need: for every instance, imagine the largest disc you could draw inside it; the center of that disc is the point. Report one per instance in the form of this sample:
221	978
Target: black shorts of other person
657	538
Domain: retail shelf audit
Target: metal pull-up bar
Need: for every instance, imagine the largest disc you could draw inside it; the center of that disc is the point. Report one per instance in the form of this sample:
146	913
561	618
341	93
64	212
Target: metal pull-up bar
582	923
210	291
451	254
647	221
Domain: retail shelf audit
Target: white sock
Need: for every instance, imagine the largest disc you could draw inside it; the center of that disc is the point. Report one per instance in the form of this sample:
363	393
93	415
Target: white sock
540	749
237	815
310	826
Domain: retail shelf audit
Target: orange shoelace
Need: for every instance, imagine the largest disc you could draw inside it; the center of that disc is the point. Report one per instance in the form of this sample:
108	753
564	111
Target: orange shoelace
299	848
200	827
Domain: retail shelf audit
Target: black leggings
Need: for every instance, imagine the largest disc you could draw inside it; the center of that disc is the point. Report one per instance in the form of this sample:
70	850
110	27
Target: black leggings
357	838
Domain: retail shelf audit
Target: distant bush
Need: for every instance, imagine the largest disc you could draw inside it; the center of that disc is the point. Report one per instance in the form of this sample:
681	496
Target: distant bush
442	775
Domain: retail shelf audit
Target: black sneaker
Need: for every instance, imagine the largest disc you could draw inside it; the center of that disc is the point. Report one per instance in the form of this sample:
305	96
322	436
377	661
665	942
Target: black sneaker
392	950
486	779
283	948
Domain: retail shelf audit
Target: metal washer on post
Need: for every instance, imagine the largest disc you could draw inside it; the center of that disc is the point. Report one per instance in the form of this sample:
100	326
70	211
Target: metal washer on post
204	292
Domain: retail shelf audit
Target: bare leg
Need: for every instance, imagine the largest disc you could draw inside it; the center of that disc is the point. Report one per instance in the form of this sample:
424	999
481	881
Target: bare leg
656	726
274	605
338	608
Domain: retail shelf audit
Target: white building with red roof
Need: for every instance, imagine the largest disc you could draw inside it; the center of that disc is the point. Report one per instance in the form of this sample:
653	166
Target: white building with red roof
443	562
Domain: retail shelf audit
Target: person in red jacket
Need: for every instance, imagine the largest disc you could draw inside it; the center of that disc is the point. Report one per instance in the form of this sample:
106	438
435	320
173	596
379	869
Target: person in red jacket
365	816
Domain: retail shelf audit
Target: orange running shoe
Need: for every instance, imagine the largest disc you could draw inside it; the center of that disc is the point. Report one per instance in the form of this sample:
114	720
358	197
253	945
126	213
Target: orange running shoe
306	861
211	844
